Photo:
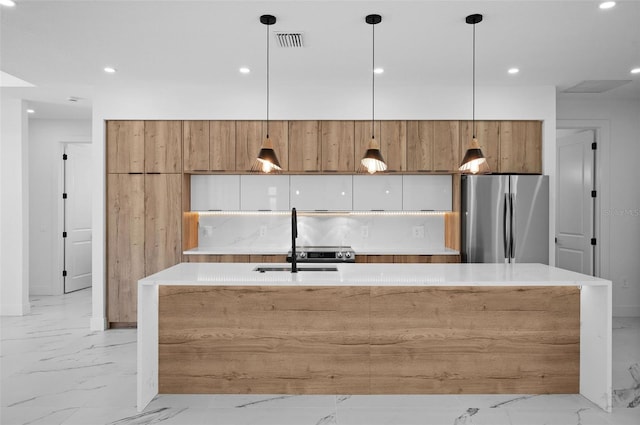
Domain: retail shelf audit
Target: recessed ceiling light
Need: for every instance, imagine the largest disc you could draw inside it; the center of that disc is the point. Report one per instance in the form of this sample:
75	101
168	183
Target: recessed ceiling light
378	70
513	70
635	71
607	4
8	3
109	70
244	70
31	111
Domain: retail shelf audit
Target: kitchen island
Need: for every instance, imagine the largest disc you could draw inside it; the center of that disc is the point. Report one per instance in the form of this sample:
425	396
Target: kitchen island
374	329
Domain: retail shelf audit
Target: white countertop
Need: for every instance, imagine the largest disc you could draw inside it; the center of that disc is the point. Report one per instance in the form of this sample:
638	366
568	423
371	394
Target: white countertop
262	251
373	275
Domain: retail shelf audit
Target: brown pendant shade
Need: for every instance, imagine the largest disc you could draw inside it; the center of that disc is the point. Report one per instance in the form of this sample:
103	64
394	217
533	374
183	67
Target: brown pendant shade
372	161
267	160
474	161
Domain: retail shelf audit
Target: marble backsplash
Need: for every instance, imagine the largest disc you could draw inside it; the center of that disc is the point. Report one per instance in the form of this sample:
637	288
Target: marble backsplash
373	233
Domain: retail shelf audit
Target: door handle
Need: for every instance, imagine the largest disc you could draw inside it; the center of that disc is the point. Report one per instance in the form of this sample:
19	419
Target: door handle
505	236
512	226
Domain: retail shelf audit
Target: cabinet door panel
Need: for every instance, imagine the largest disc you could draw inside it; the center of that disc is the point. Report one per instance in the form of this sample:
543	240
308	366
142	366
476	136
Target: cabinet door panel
216	192
446	145
377	192
163	200
304	146
521	147
163	146
393	144
222	137
196	145
327	192
488	137
420	145
125	245
424	192
337	145
259	192
125	146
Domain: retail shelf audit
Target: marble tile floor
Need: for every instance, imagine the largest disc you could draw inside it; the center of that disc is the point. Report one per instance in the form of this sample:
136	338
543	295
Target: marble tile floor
55	371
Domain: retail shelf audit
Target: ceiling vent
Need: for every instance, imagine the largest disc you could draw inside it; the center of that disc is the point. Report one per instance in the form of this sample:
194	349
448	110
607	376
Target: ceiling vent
596	86
289	39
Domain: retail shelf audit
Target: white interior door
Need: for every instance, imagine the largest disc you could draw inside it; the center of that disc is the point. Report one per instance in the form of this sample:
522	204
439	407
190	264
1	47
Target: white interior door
77	217
574	213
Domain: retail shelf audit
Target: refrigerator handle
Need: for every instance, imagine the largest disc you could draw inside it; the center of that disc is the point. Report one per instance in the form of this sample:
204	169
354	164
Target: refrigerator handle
505	234
512	225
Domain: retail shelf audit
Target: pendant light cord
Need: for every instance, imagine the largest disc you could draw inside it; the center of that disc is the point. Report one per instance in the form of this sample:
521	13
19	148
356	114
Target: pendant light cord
267	27
373	81
473	101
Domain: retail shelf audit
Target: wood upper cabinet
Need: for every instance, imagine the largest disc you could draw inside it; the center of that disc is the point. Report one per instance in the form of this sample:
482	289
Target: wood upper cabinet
125	245
222	145
488	134
163	221
304	146
249	138
433	145
125	146
163	146
521	147
195	140
337	140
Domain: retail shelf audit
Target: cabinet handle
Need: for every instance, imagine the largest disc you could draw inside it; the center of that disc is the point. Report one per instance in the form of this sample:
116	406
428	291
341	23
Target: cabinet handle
135	173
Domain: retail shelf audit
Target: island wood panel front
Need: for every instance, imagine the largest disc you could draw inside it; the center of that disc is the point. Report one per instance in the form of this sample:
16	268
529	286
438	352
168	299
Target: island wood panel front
368	340
257	340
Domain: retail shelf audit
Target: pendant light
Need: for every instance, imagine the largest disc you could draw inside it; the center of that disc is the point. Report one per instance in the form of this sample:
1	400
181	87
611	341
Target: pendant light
372	161
267	160
474	161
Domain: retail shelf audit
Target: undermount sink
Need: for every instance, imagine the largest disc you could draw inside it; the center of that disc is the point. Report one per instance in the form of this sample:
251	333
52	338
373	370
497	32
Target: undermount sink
263	269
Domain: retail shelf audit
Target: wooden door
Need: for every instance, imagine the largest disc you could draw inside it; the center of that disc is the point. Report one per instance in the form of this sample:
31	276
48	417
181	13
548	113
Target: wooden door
393	144
521	147
488	134
337	139
125	146
163	221
222	145
446	146
433	146
304	146
163	146
420	145
125	245
249	138
195	139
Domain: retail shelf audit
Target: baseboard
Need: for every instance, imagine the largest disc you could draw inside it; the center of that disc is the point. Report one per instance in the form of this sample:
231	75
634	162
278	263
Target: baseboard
626	311
98	323
15	309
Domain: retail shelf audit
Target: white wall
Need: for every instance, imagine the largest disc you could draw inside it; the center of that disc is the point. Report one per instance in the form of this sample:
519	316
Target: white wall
45	176
297	103
14	208
618	174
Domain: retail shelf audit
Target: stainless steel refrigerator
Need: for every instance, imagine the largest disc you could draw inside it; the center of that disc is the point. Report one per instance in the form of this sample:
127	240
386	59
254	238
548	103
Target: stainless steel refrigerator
505	218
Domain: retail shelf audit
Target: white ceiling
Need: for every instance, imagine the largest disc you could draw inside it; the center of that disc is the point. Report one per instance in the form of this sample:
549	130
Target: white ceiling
62	46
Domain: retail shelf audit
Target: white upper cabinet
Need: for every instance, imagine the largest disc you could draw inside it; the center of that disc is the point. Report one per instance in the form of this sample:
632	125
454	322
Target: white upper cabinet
215	192
321	193
430	193
378	192
264	193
